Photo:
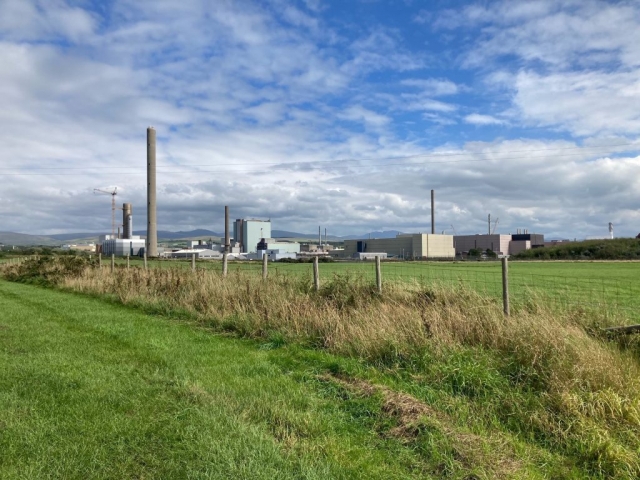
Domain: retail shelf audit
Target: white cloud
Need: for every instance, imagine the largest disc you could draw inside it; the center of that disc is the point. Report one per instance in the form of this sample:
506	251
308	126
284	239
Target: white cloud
432	86
245	97
586	103
23	20
478	119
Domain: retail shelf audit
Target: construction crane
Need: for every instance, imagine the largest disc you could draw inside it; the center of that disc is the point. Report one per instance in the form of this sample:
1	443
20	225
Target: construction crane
493	230
113	206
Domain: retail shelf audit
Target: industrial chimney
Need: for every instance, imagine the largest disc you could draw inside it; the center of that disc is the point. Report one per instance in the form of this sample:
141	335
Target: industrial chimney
127	220
152	225
433	212
227	243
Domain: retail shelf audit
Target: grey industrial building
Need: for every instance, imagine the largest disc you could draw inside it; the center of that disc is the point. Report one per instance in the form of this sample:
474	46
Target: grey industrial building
248	232
500	244
404	245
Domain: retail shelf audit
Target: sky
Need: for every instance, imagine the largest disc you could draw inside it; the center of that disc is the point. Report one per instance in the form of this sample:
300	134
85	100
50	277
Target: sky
343	114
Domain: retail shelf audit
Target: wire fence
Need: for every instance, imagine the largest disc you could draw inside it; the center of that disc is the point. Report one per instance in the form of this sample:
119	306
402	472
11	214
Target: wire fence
588	289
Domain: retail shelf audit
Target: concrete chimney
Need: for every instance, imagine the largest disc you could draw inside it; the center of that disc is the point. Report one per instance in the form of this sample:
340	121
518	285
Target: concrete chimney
433	211
152	224
227	242
127	220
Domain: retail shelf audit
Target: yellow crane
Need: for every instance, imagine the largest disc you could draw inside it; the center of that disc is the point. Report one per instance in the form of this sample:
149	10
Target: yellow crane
113	206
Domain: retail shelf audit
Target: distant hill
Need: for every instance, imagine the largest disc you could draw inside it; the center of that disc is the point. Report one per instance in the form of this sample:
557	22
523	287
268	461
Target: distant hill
310	236
166	235
74	236
314	236
11	238
385	234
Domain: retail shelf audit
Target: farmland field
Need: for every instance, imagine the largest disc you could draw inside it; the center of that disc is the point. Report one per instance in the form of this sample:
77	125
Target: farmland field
609	285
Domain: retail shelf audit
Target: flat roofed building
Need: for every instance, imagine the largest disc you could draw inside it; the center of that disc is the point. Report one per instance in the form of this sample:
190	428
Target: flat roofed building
496	243
122	247
406	245
282	247
249	232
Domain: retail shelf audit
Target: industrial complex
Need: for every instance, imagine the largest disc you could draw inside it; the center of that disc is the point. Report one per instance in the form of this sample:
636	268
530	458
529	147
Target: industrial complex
252	237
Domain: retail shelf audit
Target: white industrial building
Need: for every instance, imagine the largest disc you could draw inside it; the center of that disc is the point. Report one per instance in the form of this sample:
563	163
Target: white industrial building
122	247
200	253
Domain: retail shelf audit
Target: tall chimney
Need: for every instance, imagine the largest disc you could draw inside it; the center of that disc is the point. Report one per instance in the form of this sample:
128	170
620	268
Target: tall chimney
433	211
319	236
325	236
152	225
127	221
227	243
489	222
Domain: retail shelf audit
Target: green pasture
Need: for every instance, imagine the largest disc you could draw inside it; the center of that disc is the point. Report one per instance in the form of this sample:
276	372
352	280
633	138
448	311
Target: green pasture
612	285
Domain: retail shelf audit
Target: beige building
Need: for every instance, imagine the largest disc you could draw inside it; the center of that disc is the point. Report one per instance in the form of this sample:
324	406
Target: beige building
405	245
499	244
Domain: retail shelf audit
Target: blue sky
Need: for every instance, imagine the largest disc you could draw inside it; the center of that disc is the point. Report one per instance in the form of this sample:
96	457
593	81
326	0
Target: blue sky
339	113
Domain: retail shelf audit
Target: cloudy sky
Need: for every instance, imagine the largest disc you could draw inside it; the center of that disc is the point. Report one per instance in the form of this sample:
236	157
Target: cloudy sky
339	113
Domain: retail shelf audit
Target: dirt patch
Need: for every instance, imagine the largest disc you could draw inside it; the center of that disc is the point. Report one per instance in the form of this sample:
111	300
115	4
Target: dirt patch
412	416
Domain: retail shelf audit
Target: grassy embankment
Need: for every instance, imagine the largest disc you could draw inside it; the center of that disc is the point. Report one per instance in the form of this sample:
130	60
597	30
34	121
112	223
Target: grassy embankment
542	394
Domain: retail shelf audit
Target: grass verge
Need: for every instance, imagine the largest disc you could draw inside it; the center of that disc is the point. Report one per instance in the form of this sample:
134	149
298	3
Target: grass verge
542	389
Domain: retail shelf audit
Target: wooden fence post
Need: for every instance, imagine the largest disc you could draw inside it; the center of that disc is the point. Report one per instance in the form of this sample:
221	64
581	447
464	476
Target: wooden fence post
145	260
505	286
316	274
193	262
378	274
113	262
225	264
265	260
100	260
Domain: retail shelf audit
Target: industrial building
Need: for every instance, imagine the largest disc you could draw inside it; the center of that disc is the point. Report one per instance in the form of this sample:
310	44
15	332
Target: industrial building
404	245
128	244
248	232
122	247
500	244
200	253
277	250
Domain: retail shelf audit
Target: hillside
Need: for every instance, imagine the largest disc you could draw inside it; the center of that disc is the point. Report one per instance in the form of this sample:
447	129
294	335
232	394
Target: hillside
12	238
616	249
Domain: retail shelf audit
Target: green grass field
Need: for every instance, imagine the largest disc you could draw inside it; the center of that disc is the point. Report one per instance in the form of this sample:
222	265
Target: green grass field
598	285
90	388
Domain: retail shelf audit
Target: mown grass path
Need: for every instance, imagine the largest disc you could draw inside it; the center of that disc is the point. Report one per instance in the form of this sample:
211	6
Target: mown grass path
94	390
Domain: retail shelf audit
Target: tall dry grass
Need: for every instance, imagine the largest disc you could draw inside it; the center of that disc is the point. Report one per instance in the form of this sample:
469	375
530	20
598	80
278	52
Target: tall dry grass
348	317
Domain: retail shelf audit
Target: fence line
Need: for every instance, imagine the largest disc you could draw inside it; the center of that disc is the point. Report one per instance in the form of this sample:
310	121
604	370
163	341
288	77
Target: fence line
608	293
